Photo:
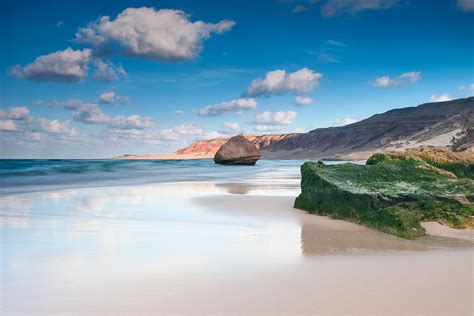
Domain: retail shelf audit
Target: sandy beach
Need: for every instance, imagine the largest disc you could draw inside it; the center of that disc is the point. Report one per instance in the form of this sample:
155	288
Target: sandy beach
217	249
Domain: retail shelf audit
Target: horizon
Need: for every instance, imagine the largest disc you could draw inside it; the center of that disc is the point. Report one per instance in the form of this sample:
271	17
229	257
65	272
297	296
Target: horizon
94	81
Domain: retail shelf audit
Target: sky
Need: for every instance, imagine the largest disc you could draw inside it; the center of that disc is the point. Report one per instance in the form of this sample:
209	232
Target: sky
97	79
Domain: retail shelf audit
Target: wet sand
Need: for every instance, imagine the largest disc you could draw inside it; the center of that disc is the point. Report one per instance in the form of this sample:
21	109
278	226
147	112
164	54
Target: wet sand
203	248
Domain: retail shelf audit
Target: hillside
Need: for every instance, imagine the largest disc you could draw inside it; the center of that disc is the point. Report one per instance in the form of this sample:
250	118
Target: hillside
435	124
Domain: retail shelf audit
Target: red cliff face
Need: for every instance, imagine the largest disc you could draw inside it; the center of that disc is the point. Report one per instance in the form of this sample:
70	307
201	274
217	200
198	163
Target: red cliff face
208	148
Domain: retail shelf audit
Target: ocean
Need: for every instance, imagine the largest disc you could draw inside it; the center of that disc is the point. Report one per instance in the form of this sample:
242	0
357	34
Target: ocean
187	237
38	175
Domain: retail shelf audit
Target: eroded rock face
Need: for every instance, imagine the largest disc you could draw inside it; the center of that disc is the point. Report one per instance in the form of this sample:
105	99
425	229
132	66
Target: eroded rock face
237	151
393	192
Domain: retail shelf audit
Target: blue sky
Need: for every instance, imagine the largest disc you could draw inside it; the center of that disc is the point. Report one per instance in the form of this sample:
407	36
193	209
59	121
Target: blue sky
153	76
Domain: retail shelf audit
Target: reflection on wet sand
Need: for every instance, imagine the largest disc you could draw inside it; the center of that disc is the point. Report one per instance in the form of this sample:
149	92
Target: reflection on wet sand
321	235
317	239
173	248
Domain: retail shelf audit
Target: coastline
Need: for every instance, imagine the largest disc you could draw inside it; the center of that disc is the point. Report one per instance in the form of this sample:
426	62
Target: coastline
132	251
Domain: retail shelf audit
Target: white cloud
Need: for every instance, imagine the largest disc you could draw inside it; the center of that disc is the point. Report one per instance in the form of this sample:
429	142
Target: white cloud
31	137
179	112
62	66
231	127
211	135
337	7
134	121
57	127
275	118
189	129
8	126
15	119
469	87
465	5
15	113
300	100
233	106
266	128
28	128
107	97
345	121
110	97
165	34
400	81
279	82
107	71
299	9
91	113
441	98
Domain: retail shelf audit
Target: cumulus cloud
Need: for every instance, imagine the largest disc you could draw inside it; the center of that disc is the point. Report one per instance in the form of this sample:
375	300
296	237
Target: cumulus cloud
275	118
300	100
62	66
8	126
345	121
299	8
234	106
400	81
231	127
91	113
211	135
15	113
465	5
57	127
107	97
337	7
110	97
167	35
189	129
130	122
107	71
28	128
441	98
279	82
266	128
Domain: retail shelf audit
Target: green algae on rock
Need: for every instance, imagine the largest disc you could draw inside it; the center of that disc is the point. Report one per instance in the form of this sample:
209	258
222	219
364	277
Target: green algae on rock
391	193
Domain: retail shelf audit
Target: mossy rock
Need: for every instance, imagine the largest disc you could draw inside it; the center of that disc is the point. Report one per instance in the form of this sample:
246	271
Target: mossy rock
390	194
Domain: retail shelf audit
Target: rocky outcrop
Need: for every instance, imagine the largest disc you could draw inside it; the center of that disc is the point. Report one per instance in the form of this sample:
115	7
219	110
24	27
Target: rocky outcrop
237	151
393	192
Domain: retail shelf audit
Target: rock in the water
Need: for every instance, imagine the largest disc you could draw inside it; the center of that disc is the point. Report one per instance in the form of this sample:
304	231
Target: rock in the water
393	192
237	151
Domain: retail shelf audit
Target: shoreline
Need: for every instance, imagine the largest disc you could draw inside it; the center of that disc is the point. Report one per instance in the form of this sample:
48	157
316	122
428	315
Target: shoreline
211	248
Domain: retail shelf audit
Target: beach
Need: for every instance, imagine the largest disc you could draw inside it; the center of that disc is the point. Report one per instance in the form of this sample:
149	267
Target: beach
196	238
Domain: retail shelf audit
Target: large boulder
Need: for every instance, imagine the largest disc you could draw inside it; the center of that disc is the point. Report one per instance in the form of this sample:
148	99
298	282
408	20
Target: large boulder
393	192
237	151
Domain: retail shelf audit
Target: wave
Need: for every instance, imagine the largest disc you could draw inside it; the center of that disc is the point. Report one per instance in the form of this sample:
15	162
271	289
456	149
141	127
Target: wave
33	175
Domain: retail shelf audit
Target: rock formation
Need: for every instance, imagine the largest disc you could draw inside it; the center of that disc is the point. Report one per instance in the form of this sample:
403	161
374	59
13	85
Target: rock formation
237	151
393	192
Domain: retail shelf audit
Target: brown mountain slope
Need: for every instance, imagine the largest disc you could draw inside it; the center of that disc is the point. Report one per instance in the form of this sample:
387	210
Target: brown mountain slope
427	124
379	131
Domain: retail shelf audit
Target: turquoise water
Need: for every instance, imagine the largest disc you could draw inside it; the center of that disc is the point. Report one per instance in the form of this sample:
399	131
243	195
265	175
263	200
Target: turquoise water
36	175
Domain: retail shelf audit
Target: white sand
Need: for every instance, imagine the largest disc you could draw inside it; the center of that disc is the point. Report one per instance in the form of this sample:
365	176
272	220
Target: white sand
196	249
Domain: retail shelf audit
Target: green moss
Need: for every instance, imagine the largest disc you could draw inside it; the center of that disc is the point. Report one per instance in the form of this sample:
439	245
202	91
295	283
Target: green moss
391	195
